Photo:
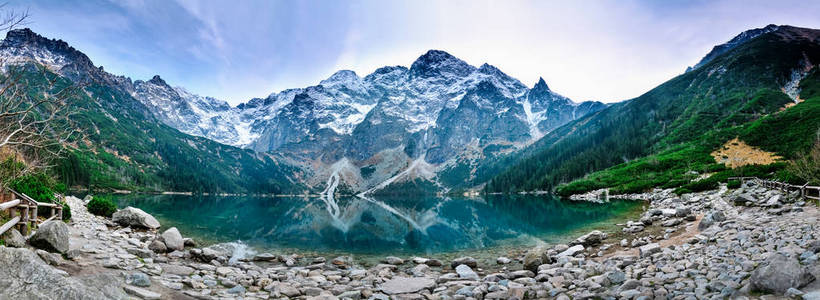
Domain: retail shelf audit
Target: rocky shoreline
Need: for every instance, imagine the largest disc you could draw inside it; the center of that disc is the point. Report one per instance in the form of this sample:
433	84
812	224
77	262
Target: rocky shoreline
746	243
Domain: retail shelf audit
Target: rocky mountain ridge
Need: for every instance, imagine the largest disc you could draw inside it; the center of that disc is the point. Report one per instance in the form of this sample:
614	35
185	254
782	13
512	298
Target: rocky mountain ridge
439	110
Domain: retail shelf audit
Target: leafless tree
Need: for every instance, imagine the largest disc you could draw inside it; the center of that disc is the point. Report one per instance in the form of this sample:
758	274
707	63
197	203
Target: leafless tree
34	106
807	165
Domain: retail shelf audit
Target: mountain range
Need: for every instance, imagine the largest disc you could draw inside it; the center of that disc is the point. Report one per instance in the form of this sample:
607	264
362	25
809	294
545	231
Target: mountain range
440	124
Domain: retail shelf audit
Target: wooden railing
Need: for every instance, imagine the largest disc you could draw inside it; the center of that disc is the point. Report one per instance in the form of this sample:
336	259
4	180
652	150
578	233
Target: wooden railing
23	212
806	191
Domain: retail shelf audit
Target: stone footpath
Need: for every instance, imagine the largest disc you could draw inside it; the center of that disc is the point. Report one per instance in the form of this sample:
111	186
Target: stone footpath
750	243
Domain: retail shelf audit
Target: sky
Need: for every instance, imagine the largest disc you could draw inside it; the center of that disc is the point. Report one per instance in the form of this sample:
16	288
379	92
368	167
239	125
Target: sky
236	50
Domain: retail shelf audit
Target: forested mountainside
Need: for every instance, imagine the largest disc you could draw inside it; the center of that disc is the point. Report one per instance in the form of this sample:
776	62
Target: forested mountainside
120	144
762	91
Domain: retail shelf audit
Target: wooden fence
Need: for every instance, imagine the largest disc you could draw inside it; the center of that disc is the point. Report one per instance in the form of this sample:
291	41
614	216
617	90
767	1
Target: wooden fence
23	210
806	191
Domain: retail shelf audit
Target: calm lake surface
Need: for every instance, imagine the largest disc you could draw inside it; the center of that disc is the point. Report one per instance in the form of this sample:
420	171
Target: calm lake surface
385	225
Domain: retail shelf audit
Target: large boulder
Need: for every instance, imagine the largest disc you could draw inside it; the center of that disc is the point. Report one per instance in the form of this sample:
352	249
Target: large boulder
404	285
779	273
135	217
744	199
571	251
466	260
51	236
158	246
649	249
25	276
710	219
173	240
590	239
536	257
13	238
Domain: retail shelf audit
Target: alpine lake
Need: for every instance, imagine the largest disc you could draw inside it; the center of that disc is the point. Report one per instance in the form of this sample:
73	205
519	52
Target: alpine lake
370	228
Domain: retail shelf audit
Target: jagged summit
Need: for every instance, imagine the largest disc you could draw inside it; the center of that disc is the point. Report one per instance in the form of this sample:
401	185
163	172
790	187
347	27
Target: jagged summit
26	45
437	62
541	85
157	80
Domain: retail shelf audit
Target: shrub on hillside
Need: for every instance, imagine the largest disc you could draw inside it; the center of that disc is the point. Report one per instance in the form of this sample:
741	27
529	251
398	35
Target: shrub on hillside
807	166
39	186
102	206
66	212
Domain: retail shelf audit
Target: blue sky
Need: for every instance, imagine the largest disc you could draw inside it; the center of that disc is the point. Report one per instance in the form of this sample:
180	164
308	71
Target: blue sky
236	50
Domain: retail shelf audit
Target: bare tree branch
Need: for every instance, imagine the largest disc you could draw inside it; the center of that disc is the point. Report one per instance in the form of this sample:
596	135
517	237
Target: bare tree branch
35	118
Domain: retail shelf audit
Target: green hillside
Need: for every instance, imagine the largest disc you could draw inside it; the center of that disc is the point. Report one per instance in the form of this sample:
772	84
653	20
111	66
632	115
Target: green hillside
120	145
665	134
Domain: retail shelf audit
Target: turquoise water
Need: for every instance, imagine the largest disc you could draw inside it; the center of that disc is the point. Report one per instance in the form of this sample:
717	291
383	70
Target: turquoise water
395	225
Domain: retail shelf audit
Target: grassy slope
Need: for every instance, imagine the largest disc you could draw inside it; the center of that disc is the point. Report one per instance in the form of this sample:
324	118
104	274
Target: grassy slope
681	121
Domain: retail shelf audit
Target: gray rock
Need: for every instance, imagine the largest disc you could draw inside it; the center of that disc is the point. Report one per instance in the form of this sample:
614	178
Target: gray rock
188	242
173	239
73	254
466	260
649	249
710	219
682	212
138	279
51	236
13	238
433	262
536	257
779	273
590	239
31	278
404	285
288	290
140	252
571	251
629	285
177	269
355	295
50	258
135	217
814	246
393	260
616	277
465	272
671	222
503	260
157	246
794	293
629	294
268	257
141	293
743	199
236	290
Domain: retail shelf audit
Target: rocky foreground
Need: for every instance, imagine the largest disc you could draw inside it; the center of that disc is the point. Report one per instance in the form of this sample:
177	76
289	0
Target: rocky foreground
747	243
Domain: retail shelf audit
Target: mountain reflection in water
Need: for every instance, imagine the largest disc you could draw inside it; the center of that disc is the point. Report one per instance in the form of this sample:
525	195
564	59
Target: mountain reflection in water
406	224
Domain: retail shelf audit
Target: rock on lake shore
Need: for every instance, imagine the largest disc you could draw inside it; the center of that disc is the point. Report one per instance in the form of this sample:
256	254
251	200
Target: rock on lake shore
747	243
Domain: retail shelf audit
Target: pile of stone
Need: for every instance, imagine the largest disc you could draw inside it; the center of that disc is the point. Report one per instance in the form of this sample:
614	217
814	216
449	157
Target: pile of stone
693	246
